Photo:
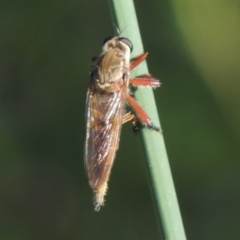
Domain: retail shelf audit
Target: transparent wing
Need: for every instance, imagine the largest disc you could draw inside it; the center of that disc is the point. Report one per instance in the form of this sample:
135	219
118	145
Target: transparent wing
104	119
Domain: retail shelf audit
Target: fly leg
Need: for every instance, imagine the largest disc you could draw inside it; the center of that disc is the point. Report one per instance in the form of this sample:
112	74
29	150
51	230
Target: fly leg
142	115
138	60
145	81
128	117
131	117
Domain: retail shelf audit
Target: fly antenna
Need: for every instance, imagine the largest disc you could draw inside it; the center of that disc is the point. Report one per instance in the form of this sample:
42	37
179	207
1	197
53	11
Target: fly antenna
117	30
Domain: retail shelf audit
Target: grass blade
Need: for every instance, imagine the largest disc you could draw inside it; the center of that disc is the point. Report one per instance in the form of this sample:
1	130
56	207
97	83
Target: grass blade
123	13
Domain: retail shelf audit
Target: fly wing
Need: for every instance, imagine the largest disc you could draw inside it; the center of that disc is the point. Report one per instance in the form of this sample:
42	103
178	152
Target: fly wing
104	120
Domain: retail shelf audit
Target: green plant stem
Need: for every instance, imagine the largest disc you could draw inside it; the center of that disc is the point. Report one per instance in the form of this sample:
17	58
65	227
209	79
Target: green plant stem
124	16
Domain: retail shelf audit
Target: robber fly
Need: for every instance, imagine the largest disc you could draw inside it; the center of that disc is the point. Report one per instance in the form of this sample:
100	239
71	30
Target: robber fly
107	96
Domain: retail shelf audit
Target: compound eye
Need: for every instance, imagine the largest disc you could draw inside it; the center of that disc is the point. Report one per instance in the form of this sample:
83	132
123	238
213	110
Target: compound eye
127	42
107	39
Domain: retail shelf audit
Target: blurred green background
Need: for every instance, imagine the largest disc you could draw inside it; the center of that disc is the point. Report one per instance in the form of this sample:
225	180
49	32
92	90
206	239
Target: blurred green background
46	49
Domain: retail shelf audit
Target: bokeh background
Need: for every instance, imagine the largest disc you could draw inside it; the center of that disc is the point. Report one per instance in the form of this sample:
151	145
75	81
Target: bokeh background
45	59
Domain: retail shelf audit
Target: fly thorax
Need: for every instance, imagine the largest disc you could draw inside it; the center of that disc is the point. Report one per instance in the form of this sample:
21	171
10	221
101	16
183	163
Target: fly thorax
112	71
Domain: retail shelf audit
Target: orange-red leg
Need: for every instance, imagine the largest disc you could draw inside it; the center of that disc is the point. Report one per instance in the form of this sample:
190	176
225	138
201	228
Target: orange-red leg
142	115
138	60
145	81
